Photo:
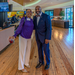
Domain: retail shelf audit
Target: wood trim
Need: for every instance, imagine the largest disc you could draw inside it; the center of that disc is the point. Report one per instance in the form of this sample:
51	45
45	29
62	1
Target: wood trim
57	11
23	2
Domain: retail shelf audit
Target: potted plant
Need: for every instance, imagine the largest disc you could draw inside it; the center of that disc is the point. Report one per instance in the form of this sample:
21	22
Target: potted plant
62	14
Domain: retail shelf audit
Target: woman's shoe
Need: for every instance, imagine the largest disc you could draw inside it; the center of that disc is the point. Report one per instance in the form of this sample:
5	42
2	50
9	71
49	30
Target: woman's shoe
24	70
27	66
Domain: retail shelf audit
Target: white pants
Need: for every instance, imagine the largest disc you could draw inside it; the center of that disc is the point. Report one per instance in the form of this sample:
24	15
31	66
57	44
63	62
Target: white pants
24	52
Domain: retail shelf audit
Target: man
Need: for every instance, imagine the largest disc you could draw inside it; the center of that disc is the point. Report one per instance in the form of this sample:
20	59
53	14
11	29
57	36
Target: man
14	19
42	26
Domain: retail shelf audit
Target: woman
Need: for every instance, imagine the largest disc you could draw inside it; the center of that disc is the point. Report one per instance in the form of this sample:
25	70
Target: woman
25	31
6	25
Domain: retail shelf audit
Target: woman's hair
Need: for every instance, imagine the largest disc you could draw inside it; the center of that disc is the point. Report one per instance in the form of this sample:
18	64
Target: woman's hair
28	9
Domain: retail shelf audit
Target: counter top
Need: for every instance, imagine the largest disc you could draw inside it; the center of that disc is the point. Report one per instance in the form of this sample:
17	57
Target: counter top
17	23
60	20
60	23
4	35
5	28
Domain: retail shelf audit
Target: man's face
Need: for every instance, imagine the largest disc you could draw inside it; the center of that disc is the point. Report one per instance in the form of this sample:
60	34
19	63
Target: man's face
38	10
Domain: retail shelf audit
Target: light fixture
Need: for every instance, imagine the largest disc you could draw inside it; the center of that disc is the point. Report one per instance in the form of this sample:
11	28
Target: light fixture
32	3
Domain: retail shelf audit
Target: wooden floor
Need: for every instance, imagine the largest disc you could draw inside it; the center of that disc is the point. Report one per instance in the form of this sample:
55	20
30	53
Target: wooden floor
61	55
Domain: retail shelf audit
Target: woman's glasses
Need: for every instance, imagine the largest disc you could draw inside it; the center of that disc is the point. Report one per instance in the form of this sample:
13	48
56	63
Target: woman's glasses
29	12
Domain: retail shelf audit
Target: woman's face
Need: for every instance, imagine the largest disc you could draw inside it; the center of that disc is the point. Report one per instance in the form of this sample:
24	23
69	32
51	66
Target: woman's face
29	13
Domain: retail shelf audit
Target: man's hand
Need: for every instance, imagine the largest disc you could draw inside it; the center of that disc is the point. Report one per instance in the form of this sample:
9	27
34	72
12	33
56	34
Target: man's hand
46	41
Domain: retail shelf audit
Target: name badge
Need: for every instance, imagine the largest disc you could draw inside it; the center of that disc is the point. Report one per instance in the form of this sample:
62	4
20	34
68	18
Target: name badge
28	19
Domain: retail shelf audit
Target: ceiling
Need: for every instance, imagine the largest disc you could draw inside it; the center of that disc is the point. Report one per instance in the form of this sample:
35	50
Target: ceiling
46	3
24	4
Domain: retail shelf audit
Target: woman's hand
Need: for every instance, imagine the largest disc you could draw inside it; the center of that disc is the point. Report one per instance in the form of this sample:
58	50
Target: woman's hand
11	37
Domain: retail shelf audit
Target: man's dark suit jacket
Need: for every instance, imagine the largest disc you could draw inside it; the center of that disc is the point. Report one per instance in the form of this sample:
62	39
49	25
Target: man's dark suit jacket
44	28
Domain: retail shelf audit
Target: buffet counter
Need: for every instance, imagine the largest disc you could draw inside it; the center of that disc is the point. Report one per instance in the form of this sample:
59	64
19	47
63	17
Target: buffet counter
4	35
60	23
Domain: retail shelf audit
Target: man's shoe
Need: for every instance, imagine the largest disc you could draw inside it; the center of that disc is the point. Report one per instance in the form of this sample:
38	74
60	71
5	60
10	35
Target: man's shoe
43	63
39	65
47	67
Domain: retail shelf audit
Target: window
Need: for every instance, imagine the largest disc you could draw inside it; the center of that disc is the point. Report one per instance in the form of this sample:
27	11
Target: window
69	15
50	13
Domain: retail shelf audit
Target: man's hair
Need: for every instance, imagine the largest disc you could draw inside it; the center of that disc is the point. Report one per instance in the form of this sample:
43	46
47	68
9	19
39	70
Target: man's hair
15	15
37	6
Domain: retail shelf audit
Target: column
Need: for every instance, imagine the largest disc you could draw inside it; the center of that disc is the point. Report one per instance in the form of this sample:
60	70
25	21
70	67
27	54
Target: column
3	15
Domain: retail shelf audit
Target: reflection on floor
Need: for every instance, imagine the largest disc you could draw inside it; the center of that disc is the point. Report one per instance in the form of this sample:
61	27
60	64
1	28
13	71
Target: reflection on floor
61	50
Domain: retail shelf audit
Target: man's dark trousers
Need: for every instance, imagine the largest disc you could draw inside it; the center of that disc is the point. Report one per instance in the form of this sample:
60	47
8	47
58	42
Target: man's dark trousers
43	48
